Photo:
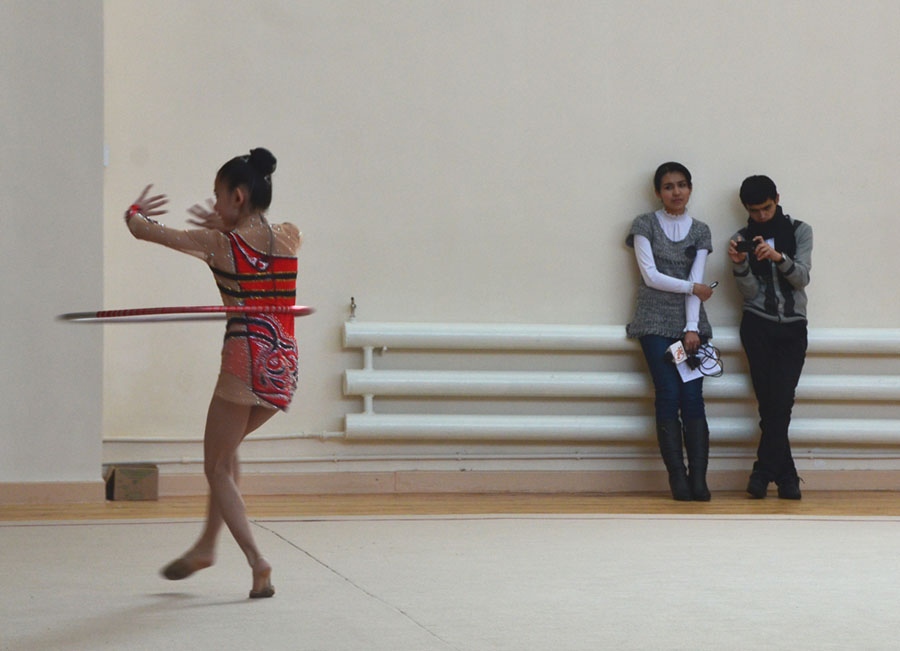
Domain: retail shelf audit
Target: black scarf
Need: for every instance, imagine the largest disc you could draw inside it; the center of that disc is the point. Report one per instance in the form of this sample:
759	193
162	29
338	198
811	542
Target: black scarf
781	230
778	228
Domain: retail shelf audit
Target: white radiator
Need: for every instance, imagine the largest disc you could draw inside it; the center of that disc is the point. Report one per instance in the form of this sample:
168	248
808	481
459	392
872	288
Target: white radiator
848	393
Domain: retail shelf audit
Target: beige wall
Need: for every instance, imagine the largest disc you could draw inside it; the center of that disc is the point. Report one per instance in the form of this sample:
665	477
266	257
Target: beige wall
481	161
51	171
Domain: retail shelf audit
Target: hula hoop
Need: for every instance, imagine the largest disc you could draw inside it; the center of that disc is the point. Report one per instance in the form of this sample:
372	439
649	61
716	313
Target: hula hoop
185	313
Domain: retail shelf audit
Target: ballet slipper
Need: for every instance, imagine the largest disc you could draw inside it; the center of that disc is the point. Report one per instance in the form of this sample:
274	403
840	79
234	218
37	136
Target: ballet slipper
267	590
265	593
182	568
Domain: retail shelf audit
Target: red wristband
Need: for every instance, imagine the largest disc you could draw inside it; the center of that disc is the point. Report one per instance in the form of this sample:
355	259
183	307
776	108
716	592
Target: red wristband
133	210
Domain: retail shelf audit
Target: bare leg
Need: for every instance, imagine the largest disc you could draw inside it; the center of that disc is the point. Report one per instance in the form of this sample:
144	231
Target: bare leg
226	426
216	444
203	553
204	548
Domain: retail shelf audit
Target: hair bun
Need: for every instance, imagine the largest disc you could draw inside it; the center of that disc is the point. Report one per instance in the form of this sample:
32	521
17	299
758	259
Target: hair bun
262	160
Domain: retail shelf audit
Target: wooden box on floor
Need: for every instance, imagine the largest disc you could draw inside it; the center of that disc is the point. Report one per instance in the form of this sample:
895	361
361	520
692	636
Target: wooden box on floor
132	481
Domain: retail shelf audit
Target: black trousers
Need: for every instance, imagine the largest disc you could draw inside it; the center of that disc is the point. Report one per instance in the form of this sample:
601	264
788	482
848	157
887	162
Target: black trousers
775	352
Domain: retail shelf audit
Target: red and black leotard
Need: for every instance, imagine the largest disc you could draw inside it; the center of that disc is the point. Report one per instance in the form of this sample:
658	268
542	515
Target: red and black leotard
259	356
260	348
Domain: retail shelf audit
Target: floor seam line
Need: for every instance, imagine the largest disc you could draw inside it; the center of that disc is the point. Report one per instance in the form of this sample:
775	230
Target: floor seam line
357	586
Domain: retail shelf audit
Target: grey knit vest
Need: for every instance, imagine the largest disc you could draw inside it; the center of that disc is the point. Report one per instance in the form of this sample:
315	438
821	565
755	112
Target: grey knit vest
658	312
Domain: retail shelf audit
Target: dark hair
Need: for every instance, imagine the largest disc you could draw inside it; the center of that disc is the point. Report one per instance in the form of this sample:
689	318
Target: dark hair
666	168
254	171
757	189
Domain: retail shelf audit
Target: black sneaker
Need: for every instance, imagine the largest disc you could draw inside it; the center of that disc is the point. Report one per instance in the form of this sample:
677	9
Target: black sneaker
758	485
789	488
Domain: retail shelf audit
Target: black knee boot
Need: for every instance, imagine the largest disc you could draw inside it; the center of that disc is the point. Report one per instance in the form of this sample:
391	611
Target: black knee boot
696	442
668	434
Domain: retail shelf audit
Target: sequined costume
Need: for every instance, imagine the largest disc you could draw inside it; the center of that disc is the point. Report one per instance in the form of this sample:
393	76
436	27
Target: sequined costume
260	348
259	355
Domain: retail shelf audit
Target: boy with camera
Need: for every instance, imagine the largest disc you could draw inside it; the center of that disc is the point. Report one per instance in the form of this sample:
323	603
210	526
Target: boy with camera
771	259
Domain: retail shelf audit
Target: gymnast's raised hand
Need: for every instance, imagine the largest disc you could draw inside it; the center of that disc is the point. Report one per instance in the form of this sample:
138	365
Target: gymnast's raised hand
147	206
207	217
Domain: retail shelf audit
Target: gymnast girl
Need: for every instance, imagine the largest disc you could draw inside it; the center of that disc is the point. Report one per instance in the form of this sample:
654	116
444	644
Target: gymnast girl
254	263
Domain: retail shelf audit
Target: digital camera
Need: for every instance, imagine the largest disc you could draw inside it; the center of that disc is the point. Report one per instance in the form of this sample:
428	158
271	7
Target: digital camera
745	246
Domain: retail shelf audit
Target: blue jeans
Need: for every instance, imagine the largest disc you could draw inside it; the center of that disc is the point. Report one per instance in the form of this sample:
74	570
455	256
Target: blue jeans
672	394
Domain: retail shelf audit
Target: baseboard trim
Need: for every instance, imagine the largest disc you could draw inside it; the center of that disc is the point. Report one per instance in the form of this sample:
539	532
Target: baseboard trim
52	492
441	481
509	481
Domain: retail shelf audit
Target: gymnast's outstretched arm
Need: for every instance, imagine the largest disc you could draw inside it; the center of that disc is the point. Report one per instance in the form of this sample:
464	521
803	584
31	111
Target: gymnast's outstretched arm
202	243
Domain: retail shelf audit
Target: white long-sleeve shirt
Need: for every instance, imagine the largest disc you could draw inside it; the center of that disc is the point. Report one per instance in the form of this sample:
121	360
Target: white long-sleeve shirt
676	228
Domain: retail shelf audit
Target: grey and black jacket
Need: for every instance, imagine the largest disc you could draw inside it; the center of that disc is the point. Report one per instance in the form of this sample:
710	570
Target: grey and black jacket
777	291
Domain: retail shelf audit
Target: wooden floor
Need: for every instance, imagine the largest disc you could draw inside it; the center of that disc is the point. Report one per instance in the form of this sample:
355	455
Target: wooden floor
821	503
